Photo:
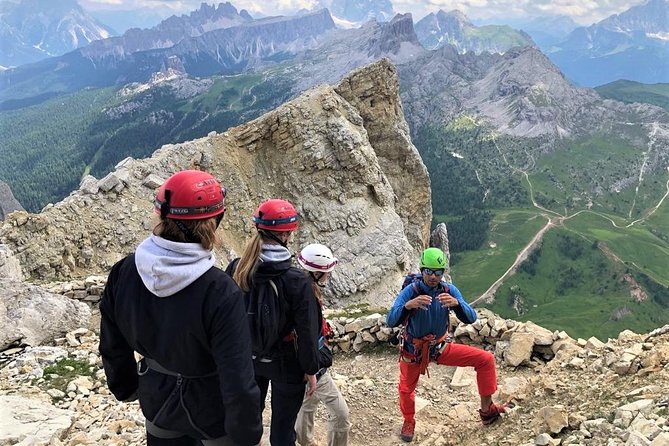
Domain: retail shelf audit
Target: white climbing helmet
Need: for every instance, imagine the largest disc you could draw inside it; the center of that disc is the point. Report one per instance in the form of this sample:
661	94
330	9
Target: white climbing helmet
318	258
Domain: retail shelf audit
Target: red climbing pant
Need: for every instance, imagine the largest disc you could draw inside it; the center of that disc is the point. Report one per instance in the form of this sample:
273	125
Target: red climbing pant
454	355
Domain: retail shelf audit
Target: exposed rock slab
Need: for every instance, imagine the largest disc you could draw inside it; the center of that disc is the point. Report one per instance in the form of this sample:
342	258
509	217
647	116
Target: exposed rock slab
7	201
27	421
32	315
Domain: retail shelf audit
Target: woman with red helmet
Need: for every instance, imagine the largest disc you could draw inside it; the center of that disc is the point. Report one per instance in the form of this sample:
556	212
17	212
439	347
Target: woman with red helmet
277	293
319	262
169	303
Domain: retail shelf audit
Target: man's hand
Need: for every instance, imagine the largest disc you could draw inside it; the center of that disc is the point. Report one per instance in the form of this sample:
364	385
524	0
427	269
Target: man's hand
423	301
311	384
448	301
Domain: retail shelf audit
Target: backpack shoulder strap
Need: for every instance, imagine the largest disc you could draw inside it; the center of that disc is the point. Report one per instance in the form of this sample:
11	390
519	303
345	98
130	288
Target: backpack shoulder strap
232	266
416	290
273	285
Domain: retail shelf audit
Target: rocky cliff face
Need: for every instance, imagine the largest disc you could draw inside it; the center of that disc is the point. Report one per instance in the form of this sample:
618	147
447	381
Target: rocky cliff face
7	201
333	151
520	93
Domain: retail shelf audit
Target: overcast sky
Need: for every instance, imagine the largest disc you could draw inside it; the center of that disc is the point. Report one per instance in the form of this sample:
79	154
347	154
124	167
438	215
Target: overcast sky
583	12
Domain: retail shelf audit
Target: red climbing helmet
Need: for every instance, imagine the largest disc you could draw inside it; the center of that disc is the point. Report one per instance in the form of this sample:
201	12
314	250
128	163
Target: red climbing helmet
276	215
190	195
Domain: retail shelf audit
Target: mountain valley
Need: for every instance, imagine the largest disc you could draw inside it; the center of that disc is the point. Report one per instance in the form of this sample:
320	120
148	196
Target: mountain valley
514	151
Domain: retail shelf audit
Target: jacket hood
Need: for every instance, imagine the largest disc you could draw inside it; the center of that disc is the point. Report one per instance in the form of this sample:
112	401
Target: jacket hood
167	267
274	260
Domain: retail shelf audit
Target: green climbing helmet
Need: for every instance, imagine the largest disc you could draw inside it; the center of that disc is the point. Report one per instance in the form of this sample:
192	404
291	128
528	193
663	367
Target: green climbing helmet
433	258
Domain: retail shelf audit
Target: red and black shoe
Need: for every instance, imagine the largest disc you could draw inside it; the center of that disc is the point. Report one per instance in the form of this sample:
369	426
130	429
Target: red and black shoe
493	413
407	431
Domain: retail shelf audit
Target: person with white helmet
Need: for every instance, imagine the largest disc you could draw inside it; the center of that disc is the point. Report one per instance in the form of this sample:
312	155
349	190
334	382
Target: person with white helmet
319	261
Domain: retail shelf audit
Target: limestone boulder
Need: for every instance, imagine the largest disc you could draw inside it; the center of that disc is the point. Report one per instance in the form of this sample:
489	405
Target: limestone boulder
27	421
10	267
32	315
520	349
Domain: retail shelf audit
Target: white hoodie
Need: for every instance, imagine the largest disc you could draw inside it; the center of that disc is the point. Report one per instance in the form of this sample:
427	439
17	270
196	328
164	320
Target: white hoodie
168	267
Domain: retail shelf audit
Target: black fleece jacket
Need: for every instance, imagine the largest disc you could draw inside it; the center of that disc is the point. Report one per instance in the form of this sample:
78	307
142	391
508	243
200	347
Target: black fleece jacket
198	331
303	313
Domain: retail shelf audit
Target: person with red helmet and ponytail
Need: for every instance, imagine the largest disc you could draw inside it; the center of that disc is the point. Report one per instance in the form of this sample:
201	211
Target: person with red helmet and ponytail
319	262
186	318
276	291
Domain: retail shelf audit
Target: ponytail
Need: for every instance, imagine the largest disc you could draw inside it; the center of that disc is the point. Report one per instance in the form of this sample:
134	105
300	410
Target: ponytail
247	263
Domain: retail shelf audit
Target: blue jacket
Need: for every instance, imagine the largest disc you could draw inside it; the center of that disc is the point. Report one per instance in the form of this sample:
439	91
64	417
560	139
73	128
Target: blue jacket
432	320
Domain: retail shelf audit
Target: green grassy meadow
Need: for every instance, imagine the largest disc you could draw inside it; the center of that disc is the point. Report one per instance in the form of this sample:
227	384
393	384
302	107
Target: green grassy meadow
580	279
608	242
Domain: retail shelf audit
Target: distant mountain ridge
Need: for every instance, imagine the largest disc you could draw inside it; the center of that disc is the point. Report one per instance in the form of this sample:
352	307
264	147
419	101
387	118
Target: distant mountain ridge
229	50
33	30
454	28
170	31
633	45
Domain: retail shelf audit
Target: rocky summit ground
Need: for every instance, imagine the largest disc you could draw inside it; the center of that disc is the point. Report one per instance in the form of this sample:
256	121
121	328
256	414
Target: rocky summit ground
610	394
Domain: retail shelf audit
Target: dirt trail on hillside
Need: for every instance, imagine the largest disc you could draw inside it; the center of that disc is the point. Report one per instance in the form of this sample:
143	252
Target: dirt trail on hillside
489	294
555	219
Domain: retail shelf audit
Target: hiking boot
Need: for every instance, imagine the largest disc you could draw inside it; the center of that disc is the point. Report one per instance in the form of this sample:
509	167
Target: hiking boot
492	414
407	431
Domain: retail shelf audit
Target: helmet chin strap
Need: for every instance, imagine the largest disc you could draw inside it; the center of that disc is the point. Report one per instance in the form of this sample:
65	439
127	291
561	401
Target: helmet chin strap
316	276
190	237
219	217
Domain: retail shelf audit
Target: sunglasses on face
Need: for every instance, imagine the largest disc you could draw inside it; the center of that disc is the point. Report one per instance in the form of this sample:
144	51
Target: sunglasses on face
436	272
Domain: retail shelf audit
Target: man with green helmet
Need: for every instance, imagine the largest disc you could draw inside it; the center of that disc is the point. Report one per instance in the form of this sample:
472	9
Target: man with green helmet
423	307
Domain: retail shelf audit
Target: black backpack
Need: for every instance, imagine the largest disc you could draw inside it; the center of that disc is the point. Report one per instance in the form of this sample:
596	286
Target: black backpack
265	309
266	313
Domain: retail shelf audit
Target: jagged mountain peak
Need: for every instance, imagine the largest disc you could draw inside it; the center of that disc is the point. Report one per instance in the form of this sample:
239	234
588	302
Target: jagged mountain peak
519	92
399	29
206	18
32	30
650	17
454	28
351	146
455	14
631	45
394	35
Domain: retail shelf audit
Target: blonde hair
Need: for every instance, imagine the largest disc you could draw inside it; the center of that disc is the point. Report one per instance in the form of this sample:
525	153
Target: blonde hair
204	231
246	266
317	291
